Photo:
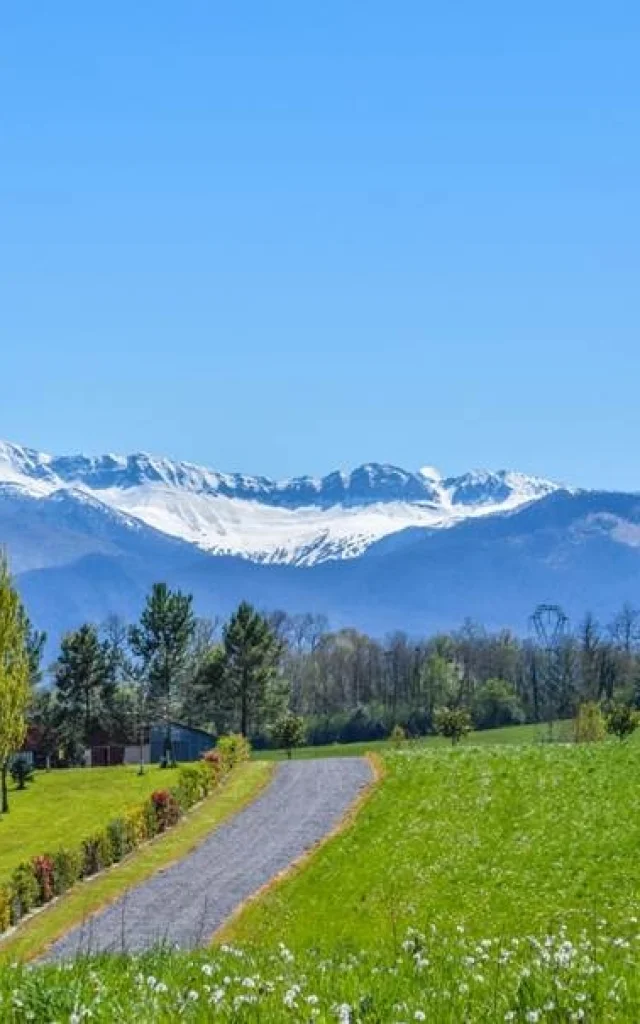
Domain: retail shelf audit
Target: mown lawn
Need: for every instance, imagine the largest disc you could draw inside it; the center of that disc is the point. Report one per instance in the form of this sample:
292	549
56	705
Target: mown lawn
62	807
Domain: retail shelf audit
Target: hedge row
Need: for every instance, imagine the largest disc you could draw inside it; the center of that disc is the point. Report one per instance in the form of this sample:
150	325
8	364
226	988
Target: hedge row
37	881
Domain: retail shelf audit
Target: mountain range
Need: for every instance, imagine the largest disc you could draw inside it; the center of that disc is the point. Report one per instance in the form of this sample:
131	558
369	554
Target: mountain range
379	548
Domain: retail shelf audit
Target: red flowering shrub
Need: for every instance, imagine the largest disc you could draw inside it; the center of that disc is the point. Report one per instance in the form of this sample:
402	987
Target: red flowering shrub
213	758
166	807
44	870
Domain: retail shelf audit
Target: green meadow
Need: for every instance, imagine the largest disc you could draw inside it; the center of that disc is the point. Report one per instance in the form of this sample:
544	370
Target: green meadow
496	840
484	883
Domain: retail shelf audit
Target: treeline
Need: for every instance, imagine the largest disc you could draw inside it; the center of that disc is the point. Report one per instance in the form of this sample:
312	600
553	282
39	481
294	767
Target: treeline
247	674
349	686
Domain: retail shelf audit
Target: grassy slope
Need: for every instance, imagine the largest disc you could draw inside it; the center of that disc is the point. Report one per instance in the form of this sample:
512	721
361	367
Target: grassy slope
515	734
497	840
62	807
87	897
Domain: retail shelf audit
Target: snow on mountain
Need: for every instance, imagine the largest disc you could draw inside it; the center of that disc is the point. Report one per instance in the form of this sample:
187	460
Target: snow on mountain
301	521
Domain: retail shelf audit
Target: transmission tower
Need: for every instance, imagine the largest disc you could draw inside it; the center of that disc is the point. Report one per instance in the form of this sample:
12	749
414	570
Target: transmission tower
550	625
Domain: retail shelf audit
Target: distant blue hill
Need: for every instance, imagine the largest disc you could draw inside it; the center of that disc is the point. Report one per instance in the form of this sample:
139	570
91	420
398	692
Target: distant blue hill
76	559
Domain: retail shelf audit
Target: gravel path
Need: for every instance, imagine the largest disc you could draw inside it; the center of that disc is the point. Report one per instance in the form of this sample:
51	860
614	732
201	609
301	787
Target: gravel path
184	904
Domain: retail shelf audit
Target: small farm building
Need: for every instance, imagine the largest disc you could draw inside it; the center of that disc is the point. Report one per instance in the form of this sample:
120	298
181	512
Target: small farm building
189	744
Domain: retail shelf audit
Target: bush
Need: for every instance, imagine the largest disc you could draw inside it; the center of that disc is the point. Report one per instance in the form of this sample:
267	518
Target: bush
150	819
232	749
24	891
621	720
166	807
365	723
136	825
67	869
361	726
214	763
117	833
212	757
5	908
97	853
194	782
398	736
21	772
589	725
43	869
418	723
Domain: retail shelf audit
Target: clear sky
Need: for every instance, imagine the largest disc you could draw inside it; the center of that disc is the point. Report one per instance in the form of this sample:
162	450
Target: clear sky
290	237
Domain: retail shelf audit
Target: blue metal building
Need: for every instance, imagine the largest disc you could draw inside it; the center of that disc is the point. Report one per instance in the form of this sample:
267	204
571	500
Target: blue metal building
189	744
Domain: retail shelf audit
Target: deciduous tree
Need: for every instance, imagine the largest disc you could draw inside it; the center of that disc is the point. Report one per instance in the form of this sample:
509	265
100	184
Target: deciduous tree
289	732
14	674
454	723
495	703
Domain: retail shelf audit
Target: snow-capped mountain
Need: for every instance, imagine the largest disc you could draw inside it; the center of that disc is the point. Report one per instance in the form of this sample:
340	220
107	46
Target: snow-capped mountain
302	521
378	549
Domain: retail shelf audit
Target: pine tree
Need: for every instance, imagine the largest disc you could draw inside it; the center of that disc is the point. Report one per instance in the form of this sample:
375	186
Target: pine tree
83	682
251	655
14	674
208	697
46	719
161	641
35	641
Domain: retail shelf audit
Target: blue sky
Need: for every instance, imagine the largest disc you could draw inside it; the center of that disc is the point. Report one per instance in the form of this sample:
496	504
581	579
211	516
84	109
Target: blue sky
285	238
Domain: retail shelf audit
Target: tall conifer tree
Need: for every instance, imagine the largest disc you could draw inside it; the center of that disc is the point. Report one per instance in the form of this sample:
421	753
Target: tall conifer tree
83	681
251	654
161	641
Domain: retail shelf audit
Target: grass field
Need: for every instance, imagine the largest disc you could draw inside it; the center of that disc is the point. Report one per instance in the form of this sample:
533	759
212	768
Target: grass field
485	883
65	806
514	734
496	840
